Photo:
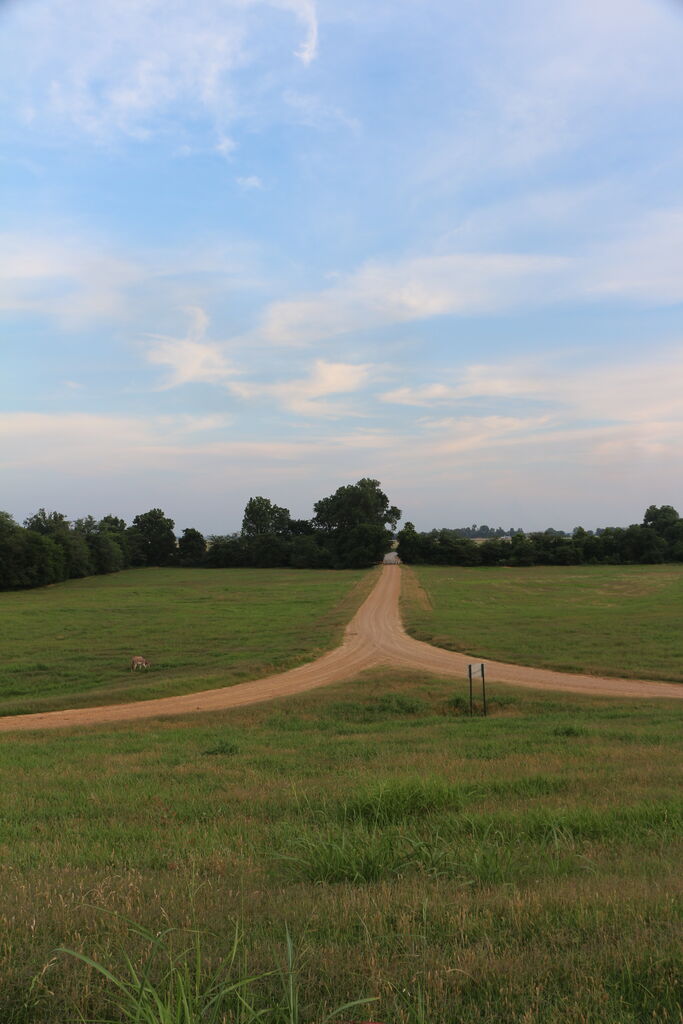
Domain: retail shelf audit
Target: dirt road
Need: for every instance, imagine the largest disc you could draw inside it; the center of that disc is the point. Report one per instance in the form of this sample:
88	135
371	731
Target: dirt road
375	636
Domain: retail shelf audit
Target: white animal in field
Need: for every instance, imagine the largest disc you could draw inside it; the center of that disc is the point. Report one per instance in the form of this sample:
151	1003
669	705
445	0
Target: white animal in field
139	662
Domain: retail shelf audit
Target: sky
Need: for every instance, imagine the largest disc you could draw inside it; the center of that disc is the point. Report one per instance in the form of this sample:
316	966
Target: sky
269	247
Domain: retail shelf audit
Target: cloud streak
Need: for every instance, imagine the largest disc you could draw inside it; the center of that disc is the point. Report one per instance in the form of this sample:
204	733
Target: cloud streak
133	68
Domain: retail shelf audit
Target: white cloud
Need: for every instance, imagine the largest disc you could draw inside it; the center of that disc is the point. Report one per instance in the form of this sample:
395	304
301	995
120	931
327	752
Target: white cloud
252	181
79	279
225	146
107	445
384	293
639	263
68	278
92	443
614	406
471	382
189	362
191	359
129	68
309	395
305	11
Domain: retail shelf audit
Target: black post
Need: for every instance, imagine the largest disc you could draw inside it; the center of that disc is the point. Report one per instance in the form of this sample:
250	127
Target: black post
469	673
483	687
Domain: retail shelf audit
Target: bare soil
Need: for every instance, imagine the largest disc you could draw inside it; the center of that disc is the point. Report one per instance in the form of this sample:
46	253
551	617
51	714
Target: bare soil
375	636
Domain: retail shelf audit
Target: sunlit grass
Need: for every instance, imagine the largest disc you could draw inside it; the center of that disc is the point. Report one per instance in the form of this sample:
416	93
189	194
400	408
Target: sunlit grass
603	620
412	854
70	645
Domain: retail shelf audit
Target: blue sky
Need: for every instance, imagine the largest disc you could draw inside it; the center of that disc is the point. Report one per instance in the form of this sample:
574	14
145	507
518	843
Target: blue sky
273	247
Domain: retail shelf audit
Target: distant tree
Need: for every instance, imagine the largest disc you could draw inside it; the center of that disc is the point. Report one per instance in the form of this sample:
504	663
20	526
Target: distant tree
107	553
309	552
49	524
77	557
191	547
115	529
266	551
301	527
661	519
151	538
88	526
11	552
355	505
262	517
521	550
410	547
226	552
113	524
41	560
355	520
8	525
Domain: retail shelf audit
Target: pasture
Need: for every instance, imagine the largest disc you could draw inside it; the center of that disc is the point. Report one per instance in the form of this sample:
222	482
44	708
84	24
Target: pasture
367	840
603	620
70	645
364	840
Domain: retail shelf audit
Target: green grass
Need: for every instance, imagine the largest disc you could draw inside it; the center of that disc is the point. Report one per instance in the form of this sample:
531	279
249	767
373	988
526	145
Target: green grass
70	645
613	621
368	840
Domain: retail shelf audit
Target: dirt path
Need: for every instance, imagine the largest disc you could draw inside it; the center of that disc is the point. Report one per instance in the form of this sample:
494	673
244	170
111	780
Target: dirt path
375	636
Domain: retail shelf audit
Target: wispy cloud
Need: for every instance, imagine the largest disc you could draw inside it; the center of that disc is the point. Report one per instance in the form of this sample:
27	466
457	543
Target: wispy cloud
639	263
193	359
413	289
68	278
252	181
540	86
636	397
305	11
310	395
102	442
132	68
190	359
77	279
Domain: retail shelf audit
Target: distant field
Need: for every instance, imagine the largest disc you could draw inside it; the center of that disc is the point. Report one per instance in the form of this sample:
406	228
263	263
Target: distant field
70	645
617	620
519	868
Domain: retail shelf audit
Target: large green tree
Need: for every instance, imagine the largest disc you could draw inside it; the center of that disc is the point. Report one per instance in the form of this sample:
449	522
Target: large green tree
359	504
152	539
262	517
661	519
191	547
358	520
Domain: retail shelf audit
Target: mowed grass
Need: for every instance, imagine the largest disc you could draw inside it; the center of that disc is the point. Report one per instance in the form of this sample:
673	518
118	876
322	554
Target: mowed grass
70	645
603	620
364	840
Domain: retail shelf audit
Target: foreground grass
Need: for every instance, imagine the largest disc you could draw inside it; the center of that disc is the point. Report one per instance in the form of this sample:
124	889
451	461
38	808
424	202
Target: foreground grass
524	867
70	645
604	620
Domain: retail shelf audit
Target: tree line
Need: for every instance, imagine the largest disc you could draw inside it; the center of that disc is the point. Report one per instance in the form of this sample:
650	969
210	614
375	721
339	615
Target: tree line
352	528
659	538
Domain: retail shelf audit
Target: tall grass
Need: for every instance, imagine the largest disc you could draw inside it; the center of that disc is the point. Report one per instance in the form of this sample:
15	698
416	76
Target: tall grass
173	982
519	868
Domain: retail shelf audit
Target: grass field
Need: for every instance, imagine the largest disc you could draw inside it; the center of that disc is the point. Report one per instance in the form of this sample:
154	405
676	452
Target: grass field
70	645
604	620
366	840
